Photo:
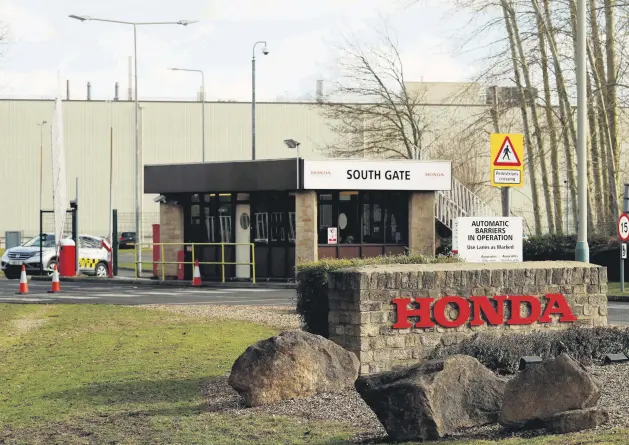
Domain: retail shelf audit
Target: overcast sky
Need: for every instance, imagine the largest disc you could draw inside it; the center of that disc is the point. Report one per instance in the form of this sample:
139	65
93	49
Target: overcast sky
42	40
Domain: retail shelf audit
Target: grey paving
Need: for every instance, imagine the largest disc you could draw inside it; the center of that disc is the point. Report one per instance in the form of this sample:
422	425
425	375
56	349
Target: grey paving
97	293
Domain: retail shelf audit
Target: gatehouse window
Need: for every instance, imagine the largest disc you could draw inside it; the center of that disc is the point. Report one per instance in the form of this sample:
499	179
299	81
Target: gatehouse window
369	217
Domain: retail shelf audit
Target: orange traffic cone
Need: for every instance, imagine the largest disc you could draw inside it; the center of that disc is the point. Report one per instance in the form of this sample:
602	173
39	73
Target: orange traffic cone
56	285
23	282
196	278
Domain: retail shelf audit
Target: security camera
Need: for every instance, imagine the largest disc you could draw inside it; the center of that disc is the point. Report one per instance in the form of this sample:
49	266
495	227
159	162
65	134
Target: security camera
160	198
265	50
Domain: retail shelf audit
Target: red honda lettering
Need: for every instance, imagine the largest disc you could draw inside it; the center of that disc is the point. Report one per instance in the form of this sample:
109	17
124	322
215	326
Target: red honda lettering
440	312
562	308
495	315
516	303
403	312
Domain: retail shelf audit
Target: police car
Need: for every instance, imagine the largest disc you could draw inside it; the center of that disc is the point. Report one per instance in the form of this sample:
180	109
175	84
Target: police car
93	256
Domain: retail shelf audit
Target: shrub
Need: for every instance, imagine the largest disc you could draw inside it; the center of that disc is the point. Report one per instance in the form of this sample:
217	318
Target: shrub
312	284
502	353
561	247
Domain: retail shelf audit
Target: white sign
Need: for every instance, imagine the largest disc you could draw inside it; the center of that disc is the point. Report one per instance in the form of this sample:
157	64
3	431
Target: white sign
332	235
358	174
507	176
623	251
489	239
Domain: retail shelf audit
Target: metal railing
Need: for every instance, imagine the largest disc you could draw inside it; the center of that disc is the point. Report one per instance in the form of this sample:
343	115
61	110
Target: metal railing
459	202
222	263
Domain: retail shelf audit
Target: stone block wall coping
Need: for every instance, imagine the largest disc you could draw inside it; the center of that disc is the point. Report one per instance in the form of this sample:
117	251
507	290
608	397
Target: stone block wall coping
448	267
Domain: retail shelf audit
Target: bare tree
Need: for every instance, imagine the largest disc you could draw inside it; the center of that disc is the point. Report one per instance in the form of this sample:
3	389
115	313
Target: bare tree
372	107
550	122
525	119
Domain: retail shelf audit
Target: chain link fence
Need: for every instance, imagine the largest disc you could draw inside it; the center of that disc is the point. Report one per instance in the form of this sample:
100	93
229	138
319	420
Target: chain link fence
126	223
48	224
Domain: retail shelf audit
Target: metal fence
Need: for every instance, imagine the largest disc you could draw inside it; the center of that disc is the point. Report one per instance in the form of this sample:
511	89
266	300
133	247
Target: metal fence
48	224
126	223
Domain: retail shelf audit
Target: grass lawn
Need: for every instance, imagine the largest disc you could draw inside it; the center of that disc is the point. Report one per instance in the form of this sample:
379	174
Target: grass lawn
146	267
614	289
87	374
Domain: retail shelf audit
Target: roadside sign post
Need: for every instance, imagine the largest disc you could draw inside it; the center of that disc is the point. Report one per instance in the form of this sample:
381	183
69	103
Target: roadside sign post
506	168
623	234
623	245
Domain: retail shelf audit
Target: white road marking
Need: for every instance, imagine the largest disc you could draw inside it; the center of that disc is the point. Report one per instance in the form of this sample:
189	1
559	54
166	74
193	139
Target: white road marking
254	290
618	306
213	291
115	295
23	299
65	297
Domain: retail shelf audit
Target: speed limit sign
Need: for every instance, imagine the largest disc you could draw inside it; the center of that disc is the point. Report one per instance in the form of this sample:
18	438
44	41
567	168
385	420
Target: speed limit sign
623	227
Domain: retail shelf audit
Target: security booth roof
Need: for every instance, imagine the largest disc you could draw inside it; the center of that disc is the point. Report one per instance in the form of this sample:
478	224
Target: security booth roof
217	177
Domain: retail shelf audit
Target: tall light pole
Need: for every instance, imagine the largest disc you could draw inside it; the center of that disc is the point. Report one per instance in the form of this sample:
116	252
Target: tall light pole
582	251
293	144
138	227
202	104
265	51
41	164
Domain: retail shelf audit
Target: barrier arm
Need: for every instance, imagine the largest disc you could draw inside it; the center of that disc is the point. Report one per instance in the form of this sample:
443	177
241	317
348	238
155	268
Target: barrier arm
110	263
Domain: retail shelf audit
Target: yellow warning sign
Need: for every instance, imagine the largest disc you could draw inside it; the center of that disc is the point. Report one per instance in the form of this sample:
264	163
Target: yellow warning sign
506	157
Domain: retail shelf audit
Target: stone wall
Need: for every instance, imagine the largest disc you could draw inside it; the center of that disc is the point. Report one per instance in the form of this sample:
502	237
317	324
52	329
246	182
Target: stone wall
170	231
362	314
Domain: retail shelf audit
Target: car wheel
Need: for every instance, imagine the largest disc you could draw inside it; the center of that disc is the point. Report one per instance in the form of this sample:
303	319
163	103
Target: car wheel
101	270
50	268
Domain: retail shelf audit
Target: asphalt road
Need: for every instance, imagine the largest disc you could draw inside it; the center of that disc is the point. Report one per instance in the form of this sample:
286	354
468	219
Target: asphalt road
98	293
618	312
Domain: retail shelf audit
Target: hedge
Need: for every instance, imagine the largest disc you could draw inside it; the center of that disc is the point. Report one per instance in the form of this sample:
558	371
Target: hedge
502	353
604	251
561	247
312	284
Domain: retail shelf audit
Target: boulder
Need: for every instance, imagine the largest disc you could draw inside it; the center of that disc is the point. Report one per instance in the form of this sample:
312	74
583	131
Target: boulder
546	389
291	365
433	399
577	420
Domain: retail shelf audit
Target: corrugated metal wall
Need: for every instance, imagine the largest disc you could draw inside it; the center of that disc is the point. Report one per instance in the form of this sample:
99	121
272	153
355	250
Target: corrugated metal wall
171	133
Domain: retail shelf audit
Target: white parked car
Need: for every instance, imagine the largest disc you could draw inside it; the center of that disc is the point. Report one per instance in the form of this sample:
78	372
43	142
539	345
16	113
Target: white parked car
93	257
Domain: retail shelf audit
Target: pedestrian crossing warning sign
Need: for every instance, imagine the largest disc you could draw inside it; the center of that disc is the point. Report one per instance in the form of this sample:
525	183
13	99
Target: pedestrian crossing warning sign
507	152
507	155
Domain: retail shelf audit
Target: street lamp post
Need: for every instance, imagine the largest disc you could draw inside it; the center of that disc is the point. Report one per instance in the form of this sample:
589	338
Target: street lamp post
582	251
265	51
291	143
138	227
41	165
202	104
